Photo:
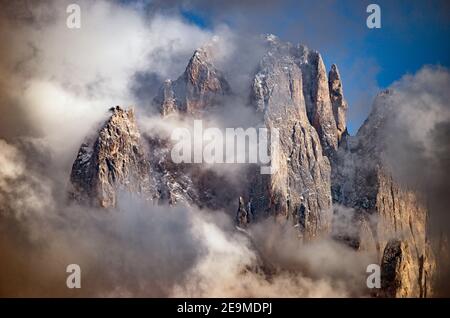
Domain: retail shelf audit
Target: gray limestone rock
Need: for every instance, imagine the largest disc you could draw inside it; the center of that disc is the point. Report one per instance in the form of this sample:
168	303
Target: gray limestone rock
112	160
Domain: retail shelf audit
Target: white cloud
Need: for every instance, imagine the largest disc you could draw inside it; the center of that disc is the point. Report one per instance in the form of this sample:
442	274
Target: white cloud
64	79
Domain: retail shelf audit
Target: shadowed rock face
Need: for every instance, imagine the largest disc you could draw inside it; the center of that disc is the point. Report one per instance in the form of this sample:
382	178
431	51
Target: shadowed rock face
338	102
111	161
118	159
403	216
316	159
402	273
196	93
242	215
199	88
321	110
397	216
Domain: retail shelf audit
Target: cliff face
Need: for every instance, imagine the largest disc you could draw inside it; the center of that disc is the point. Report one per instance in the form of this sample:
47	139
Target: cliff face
302	168
198	91
319	166
396	216
199	88
338	102
317	97
115	159
118	159
111	161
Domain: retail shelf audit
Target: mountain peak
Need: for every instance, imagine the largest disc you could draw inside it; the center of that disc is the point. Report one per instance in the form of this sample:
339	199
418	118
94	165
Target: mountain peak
272	38
338	102
201	86
113	159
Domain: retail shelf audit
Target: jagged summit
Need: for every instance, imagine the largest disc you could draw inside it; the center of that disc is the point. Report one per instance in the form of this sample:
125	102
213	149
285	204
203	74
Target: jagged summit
270	37
110	161
274	43
200	87
382	110
392	218
278	92
317	95
338	101
292	92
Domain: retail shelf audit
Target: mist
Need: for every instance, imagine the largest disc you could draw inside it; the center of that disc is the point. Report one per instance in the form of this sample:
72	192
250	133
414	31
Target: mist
56	85
417	150
144	249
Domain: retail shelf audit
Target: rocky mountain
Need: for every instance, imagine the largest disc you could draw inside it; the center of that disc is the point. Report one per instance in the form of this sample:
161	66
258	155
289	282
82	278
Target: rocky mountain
200	87
391	219
200	90
338	102
124	153
289	85
111	161
320	168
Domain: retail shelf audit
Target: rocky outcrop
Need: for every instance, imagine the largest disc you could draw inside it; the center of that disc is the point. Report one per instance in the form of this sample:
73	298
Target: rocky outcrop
302	167
242	215
199	88
118	159
316	162
111	161
317	96
396	215
174	181
338	102
291	93
166	99
402	275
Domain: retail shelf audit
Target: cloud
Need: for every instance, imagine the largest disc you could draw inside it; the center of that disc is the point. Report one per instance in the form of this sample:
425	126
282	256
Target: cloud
363	87
417	151
50	74
416	135
143	249
55	85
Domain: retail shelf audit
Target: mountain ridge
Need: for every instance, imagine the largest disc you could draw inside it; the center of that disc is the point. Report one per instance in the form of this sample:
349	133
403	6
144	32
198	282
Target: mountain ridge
320	165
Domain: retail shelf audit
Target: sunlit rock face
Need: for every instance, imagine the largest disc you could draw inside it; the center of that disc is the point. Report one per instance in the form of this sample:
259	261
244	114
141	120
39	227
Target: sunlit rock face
318	166
396	215
289	92
196	93
114	159
278	92
338	102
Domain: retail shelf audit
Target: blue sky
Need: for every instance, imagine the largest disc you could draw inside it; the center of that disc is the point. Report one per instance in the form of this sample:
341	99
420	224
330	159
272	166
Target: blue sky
413	34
